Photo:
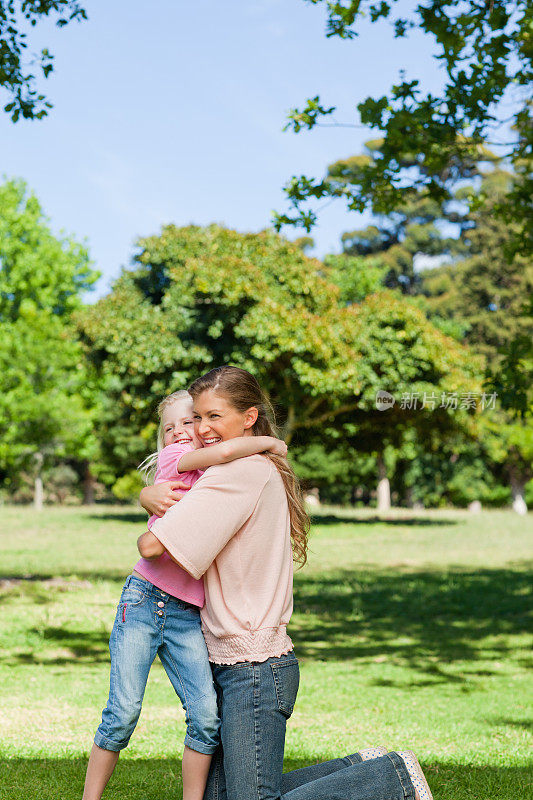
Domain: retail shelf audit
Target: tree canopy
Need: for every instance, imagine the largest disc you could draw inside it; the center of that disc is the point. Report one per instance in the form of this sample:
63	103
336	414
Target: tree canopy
200	297
431	139
37	267
46	407
17	78
484	288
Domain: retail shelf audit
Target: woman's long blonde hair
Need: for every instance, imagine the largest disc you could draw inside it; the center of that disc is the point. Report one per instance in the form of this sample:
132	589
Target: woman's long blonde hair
148	466
242	390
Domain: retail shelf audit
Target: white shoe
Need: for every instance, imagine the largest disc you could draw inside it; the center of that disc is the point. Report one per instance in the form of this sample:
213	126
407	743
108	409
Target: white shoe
373	752
415	773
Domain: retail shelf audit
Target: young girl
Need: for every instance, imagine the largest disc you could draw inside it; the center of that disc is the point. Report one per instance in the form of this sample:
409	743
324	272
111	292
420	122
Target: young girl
159	614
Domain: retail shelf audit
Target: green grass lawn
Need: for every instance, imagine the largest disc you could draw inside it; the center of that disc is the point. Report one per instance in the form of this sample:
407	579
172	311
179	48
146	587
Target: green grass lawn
411	631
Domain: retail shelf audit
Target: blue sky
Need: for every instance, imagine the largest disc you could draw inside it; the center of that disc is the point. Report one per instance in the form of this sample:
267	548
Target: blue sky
172	111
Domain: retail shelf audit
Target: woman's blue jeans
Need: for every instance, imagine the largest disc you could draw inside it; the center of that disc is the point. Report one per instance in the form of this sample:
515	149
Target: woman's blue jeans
255	701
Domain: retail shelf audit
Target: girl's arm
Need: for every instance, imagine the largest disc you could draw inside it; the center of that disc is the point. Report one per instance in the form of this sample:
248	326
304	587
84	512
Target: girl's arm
223	452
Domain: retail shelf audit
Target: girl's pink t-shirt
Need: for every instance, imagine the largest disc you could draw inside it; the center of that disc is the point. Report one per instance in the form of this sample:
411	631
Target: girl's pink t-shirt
163	572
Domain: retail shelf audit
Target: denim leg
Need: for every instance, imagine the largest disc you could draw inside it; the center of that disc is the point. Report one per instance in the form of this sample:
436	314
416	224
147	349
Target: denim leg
133	647
255	701
299	777
349	778
383	778
186	662
216	780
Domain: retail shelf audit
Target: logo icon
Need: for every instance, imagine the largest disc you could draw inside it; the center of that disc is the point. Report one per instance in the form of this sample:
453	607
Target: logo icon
384	400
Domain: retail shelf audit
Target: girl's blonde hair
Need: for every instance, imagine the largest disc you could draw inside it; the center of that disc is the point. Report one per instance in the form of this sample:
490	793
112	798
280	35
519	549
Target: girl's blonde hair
148	466
242	390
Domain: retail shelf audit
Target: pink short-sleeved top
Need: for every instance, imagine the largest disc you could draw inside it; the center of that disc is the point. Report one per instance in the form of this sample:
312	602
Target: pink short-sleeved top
242	546
163	572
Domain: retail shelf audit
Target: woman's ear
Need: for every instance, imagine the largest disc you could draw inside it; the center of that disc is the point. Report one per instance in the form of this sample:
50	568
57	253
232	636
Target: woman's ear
250	417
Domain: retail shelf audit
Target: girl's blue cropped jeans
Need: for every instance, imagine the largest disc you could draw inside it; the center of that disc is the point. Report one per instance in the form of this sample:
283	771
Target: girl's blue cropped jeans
150	622
255	701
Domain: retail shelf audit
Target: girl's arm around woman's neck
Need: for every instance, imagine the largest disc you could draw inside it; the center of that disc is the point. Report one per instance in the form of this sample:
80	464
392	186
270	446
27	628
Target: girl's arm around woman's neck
223	452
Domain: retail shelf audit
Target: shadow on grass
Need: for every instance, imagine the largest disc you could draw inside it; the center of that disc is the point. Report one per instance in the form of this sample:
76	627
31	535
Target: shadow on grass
160	779
81	647
328	518
20	583
334	519
426	620
139	517
121	516
522	724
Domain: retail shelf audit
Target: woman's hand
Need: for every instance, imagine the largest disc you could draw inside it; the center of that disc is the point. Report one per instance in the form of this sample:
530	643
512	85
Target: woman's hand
160	497
278	448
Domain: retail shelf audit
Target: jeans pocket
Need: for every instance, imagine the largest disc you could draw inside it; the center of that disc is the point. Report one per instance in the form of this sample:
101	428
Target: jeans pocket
286	681
131	596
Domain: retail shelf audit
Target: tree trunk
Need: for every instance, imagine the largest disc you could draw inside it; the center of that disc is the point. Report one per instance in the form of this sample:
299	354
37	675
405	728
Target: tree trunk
287	431
88	485
38	485
383	486
517	490
312	497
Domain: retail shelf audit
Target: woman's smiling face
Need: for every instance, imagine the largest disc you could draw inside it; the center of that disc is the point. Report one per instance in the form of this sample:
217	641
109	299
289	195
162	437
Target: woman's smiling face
216	419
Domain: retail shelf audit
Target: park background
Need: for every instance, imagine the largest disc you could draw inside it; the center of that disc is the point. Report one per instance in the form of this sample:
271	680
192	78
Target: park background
150	229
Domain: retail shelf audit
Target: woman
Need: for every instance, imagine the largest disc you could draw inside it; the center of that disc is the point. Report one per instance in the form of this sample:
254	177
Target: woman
245	515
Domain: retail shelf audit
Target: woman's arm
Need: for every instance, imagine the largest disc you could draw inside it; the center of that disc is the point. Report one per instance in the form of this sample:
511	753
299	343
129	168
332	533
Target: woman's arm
160	497
198	528
223	452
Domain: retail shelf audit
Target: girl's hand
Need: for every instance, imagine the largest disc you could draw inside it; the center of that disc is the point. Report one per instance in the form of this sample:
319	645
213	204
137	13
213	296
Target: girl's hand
160	497
278	447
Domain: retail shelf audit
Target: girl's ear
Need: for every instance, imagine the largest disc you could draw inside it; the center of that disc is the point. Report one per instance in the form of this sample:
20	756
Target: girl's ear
250	417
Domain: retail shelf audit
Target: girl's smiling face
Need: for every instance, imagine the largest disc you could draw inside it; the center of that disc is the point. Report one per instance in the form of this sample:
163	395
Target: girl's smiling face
177	424
217	420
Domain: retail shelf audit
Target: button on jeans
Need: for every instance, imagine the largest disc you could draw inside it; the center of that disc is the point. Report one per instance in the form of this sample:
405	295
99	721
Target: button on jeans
255	701
150	622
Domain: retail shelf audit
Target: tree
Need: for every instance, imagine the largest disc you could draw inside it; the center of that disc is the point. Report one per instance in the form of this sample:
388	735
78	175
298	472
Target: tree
489	293
430	140
477	297
15	77
512	445
46	406
485	289
422	368
37	266
200	297
412	228
44	414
